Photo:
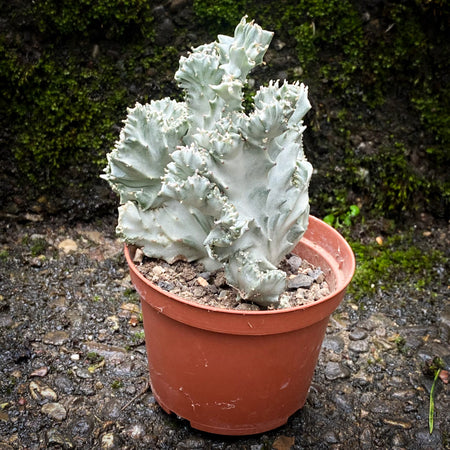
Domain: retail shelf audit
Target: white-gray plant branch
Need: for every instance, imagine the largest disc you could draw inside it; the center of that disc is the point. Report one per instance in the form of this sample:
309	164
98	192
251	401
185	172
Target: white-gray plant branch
202	180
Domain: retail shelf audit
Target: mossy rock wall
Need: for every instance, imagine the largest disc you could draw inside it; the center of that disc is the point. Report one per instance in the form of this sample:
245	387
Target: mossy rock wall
378	74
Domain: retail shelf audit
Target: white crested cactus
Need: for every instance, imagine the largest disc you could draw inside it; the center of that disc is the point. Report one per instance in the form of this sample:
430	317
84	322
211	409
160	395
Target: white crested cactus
201	180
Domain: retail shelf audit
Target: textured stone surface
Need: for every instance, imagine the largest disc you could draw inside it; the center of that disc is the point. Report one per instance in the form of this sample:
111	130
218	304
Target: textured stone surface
74	369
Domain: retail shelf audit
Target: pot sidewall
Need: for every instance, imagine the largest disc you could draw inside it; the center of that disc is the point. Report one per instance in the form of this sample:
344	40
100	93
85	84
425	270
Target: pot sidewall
240	372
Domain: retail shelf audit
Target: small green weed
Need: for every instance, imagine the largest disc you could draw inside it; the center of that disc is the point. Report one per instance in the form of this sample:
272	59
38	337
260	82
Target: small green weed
4	255
38	246
131	294
94	357
434	368
431	411
339	218
138	337
400	342
117	384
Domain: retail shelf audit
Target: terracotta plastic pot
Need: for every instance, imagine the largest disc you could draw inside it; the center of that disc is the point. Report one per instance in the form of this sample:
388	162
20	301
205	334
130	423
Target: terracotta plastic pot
240	372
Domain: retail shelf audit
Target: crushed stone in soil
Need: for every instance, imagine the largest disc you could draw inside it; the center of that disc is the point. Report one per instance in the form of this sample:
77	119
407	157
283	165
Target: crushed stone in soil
305	283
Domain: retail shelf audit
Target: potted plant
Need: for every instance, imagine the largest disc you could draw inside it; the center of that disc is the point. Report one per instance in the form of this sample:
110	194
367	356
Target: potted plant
202	180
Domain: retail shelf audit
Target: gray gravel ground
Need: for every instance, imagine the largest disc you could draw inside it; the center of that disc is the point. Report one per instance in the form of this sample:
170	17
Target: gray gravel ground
73	368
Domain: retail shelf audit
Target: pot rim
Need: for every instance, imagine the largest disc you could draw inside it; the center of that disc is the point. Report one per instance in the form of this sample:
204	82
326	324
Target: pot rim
342	280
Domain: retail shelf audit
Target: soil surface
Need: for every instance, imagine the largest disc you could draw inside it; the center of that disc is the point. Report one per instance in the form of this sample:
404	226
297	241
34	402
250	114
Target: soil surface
305	283
73	370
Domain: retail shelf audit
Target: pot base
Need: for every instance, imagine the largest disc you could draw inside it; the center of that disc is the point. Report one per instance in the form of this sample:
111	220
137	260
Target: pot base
227	430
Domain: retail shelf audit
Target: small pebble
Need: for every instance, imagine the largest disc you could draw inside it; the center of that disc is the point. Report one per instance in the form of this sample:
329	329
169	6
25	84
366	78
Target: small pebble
366	439
405	394
109	441
314	274
343	402
334	343
247	307
111	409
359	346
334	371
58	440
425	440
41	391
294	263
191	444
330	437
300	281
165	285
55	411
56	337
202	282
158	270
68	245
138	256
357	334
41	372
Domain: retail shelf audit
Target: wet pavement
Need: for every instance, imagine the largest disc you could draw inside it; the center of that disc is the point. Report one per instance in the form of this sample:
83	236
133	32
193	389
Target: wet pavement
73	369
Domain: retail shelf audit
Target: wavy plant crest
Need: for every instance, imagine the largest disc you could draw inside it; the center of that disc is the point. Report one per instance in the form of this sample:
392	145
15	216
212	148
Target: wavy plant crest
201	180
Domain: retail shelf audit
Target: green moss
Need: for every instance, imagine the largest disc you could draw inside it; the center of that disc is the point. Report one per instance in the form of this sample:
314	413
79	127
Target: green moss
360	62
400	342
61	106
220	17
396	262
315	25
59	120
110	18
94	357
391	178
388	177
400	50
434	111
62	103
38	246
332	27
